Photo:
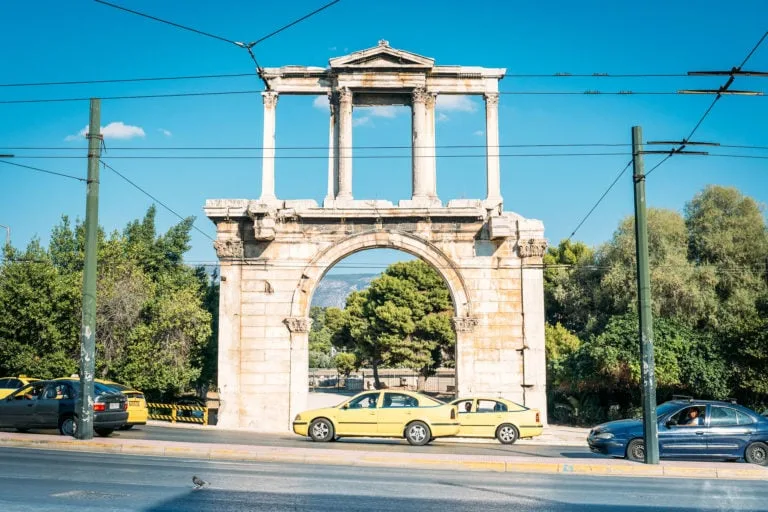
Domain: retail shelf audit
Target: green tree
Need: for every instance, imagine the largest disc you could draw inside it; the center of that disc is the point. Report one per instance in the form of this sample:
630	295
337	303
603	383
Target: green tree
345	363
401	320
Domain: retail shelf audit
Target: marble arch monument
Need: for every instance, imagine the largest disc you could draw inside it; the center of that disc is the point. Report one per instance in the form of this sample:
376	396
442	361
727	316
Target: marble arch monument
273	252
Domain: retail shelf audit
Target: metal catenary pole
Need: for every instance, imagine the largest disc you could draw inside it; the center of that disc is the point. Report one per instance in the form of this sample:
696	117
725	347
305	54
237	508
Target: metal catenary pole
88	330
650	427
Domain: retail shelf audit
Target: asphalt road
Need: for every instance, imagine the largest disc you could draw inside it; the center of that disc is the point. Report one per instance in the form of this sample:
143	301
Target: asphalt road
35	480
385	445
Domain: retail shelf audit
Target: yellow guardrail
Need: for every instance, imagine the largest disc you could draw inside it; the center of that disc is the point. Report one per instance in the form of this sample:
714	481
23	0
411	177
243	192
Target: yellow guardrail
173	416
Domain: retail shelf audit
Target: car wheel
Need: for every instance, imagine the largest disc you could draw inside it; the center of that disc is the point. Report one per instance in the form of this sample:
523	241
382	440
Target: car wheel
321	430
507	434
757	453
104	432
126	427
417	433
636	450
68	426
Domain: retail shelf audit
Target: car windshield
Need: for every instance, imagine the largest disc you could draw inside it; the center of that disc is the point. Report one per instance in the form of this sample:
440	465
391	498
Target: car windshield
666	408
115	385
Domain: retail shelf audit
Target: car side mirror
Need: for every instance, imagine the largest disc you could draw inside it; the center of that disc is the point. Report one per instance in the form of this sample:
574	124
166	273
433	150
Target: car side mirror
345	406
670	423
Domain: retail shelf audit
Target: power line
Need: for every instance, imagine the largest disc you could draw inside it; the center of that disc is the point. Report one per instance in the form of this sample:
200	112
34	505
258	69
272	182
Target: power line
325	148
229	93
718	94
153	198
37	169
613	183
314	157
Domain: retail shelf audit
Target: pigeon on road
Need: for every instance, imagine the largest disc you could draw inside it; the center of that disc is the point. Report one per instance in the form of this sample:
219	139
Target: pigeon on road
199	482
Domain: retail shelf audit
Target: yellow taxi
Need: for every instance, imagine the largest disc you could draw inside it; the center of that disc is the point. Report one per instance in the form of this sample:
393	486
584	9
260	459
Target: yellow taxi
503	419
137	404
416	417
10	384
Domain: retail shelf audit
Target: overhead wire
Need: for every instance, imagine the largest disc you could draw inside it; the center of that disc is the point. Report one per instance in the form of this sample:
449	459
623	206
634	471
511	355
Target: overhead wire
158	201
45	171
597	203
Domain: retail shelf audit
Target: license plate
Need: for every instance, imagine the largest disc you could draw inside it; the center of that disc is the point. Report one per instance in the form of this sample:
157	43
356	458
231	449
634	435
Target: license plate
114	405
133	402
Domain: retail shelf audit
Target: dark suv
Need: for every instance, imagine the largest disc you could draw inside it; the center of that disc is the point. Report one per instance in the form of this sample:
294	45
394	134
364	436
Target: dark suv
51	404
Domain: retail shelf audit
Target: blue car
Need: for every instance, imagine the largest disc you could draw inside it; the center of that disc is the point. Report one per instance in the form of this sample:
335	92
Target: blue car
690	429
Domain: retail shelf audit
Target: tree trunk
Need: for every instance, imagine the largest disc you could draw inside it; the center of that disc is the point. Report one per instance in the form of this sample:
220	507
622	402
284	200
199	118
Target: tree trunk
376	383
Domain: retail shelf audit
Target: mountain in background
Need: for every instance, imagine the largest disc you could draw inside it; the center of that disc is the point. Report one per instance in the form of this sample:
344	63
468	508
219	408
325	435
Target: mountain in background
334	289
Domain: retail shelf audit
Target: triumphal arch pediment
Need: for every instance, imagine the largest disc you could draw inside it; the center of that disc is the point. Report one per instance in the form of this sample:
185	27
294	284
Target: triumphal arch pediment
274	251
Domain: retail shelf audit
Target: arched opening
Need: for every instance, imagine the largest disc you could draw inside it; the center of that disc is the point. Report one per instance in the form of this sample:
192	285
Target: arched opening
382	318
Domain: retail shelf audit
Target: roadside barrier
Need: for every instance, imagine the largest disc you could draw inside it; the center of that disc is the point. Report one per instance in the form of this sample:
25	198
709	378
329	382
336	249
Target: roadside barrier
180	413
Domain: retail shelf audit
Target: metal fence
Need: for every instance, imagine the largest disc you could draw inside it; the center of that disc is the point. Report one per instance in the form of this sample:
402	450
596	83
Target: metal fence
442	383
178	413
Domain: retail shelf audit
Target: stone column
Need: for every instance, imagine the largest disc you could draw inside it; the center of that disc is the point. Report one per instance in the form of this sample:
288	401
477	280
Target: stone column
531	252
493	172
333	149
345	146
268	147
421	166
229	249
299	356
431	155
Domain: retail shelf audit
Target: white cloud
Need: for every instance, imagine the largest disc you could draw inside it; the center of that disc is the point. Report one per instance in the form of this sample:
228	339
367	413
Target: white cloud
165	132
361	121
115	130
479	133
321	102
383	111
441	118
455	103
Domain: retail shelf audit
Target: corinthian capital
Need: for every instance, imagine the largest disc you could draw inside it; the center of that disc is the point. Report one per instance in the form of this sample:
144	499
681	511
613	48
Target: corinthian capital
431	99
345	95
228	249
419	95
298	323
269	98
532	248
464	323
491	99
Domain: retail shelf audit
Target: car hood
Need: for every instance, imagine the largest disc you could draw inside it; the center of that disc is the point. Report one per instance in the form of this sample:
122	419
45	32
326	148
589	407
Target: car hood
620	426
313	413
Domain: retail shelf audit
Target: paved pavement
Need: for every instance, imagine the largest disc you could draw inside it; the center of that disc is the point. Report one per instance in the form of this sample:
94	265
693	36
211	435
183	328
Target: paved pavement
372	454
46	481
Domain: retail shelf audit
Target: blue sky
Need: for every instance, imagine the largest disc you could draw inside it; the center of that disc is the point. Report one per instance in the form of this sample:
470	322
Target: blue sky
59	41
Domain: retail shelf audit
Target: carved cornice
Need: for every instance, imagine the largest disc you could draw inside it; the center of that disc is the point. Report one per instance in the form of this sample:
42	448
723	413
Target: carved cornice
333	101
298	323
269	98
228	249
491	99
264	226
531	248
419	95
464	323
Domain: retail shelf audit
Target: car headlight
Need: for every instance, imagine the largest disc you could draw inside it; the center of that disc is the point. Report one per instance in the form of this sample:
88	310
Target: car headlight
604	435
297	418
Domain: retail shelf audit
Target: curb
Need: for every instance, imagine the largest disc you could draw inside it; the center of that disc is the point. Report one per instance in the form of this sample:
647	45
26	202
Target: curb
323	456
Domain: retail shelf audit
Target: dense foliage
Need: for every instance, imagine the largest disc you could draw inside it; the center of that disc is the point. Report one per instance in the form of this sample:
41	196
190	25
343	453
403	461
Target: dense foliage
154	321
710	305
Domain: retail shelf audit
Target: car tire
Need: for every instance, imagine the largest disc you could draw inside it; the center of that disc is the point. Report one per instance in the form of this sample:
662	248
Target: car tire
636	450
321	430
68	426
126	427
104	432
757	453
417	433
507	433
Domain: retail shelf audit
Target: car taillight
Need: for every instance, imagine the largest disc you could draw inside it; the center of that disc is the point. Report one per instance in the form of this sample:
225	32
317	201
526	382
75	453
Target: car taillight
453	413
538	420
125	406
99	407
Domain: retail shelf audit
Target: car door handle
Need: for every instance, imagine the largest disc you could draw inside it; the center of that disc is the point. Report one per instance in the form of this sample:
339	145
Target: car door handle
30	405
699	433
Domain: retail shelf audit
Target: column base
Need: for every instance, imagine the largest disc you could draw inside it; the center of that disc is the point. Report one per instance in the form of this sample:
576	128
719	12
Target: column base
420	202
493	203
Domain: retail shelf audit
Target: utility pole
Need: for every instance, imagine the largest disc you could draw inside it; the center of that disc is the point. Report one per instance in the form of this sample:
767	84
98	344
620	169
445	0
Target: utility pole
88	330
648	367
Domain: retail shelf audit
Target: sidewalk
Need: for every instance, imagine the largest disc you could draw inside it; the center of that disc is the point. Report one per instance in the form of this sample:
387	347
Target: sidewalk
371	458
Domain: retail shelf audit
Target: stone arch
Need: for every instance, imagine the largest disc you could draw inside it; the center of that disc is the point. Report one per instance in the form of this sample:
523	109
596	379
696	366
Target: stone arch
381	239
